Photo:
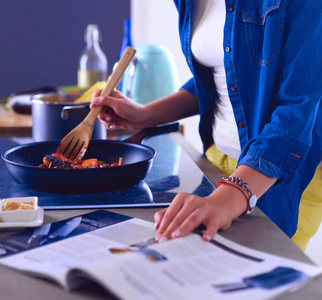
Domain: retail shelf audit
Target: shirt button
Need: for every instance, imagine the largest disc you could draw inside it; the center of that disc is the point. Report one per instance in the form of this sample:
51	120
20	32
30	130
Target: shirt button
228	49
231	9
241	125
233	89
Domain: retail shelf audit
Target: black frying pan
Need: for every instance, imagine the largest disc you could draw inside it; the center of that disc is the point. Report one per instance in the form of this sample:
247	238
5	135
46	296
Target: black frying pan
22	163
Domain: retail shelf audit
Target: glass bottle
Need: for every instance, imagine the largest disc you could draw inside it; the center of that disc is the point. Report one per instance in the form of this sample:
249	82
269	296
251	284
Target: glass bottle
93	62
127	41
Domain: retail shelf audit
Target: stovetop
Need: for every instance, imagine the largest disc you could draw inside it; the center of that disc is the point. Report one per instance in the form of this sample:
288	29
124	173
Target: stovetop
173	171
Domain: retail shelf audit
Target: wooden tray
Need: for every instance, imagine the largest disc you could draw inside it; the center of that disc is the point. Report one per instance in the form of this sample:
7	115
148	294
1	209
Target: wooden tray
13	122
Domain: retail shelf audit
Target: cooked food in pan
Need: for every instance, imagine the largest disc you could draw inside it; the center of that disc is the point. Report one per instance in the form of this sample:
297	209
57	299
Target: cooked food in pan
59	161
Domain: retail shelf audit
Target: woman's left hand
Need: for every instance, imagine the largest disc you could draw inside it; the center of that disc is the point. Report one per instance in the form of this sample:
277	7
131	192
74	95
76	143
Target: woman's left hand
216	211
187	212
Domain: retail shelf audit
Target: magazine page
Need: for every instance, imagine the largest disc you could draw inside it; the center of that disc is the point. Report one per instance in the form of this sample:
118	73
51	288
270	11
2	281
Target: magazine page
189	268
124	258
56	260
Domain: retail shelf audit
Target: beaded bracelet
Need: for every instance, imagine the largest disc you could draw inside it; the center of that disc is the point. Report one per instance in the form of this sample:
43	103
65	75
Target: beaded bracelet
242	186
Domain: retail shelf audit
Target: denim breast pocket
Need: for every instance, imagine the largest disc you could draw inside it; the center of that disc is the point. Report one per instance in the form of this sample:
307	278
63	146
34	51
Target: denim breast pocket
264	26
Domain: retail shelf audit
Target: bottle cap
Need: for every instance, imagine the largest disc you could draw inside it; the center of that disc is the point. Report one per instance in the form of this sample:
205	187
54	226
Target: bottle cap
93	32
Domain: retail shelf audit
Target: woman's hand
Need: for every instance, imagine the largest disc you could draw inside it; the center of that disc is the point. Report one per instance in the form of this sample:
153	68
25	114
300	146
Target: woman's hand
187	212
216	211
119	112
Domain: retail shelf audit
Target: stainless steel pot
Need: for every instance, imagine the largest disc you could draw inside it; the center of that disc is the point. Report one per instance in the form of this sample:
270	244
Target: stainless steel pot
55	114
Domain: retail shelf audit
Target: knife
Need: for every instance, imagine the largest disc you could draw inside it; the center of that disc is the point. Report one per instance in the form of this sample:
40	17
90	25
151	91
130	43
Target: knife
39	231
65	230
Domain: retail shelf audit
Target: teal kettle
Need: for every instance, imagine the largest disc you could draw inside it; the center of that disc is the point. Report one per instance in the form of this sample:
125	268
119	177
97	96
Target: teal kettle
152	74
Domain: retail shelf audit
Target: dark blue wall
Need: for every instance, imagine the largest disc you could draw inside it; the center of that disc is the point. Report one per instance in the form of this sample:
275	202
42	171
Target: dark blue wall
41	40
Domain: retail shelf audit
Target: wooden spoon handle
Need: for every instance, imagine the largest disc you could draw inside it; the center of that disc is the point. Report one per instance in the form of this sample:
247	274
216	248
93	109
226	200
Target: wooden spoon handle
113	80
118	71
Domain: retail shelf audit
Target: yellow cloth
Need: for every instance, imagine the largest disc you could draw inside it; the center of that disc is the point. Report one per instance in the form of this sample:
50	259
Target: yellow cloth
223	162
310	210
310	214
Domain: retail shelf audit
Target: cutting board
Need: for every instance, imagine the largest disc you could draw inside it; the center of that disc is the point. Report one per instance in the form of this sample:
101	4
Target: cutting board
13	122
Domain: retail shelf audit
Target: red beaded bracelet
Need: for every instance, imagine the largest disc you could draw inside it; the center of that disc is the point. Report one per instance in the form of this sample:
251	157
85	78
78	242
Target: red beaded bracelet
237	187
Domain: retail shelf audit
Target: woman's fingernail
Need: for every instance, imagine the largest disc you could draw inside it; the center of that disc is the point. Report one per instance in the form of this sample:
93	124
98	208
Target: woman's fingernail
111	126
163	239
157	237
207	237
177	233
107	119
95	100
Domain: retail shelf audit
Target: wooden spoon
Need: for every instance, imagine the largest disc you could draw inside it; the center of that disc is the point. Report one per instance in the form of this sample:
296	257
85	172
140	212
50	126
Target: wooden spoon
75	143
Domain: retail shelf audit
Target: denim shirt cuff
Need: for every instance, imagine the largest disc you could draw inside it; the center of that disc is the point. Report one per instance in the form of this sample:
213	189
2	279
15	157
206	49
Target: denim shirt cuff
261	165
276	155
267	168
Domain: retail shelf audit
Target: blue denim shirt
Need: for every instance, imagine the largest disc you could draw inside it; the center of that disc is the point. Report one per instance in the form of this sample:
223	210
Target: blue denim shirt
273	70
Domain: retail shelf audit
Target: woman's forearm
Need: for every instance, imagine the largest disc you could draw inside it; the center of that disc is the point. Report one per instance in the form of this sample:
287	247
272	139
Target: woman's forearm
179	105
257	182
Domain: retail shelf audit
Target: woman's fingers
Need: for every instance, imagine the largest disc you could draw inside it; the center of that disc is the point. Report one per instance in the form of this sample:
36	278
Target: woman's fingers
211	230
158	217
197	217
172	214
183	216
186	213
119	112
109	101
109	119
97	93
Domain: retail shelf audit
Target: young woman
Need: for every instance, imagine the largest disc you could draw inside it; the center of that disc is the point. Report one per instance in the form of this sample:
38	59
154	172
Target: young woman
256	84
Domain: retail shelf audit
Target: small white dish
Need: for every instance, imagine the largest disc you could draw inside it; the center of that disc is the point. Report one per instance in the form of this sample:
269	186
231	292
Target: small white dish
37	221
19	215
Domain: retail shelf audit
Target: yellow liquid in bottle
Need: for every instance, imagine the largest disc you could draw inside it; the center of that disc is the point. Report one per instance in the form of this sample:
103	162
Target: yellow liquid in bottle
86	78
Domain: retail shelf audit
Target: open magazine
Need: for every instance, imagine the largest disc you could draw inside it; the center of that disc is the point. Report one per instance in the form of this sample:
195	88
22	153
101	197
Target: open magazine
121	255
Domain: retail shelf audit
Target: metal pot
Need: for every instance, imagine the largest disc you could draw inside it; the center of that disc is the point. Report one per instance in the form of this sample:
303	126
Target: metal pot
55	114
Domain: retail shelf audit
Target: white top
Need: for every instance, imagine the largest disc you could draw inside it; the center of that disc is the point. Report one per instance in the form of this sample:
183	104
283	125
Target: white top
207	48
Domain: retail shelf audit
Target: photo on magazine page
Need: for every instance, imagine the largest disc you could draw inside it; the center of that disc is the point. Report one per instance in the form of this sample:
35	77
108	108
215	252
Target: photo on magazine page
49	233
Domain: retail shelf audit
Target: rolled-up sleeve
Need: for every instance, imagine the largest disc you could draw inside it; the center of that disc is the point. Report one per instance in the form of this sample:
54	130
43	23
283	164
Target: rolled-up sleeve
282	146
277	156
190	87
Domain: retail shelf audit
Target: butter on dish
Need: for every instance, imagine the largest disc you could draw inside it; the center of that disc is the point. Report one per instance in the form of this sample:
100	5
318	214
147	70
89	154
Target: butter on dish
18	209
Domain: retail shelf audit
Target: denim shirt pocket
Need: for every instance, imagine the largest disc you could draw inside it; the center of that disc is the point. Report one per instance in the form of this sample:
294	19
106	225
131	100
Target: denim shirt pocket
264	25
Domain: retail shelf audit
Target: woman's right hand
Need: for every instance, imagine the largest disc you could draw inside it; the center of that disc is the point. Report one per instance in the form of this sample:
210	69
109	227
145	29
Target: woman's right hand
119	112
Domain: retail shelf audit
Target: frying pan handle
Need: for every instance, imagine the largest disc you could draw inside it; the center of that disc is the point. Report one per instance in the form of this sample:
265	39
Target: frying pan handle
153	131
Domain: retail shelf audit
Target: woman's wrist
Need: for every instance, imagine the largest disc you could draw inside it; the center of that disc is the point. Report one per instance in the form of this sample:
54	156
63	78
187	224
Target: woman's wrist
239	195
242	186
229	199
257	182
